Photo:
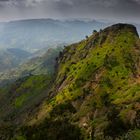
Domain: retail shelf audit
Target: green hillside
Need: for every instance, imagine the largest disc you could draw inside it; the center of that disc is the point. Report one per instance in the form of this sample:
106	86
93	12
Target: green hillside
35	66
22	90
95	94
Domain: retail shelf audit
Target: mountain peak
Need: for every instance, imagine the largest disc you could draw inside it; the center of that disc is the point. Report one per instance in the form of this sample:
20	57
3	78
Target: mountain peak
121	26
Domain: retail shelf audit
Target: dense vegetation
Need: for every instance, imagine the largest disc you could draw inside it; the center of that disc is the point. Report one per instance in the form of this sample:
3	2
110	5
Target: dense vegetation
26	87
94	94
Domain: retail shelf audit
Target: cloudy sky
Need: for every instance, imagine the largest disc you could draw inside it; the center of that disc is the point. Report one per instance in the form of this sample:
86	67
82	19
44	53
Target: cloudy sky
121	10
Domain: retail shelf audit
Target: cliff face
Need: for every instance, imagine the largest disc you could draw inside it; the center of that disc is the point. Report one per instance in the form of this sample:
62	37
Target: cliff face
96	92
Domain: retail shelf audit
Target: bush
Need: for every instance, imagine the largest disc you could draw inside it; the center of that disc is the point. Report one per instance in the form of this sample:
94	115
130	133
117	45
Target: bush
62	108
110	62
105	99
59	129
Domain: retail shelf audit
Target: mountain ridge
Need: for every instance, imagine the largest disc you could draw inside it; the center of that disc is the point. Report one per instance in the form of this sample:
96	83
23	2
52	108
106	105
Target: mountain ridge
12	57
94	93
85	90
38	33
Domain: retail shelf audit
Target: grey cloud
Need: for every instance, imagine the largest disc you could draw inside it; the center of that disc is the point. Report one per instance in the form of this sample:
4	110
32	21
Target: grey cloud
137	1
108	9
123	9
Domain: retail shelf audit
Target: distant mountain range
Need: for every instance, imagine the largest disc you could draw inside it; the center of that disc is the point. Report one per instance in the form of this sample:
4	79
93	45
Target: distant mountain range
12	57
23	39
35	34
30	66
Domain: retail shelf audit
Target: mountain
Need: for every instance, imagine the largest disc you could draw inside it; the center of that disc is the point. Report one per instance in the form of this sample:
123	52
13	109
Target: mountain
34	34
42	51
12	57
33	66
92	94
24	88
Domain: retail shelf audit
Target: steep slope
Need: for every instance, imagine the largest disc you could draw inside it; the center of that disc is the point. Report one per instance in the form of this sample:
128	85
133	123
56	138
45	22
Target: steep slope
94	95
96	91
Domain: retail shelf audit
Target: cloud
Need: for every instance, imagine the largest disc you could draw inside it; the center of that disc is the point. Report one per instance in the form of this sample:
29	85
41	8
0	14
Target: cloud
108	9
137	1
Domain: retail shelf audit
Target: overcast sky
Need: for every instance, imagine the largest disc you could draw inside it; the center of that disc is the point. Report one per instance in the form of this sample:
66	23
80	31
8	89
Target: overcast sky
121	10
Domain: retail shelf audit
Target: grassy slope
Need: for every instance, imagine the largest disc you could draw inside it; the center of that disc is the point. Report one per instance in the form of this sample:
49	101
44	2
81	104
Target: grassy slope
21	98
99	78
96	91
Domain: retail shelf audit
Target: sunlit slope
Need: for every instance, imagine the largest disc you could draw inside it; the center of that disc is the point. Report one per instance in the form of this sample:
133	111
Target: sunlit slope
95	92
97	87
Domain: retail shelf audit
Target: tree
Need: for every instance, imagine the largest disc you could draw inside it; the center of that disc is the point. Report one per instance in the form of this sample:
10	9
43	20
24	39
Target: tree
101	30
94	31
86	37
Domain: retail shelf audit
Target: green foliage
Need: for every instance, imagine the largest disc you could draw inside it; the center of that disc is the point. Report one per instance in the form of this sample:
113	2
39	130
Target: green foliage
105	69
62	109
30	88
133	135
96	89
19	138
59	129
